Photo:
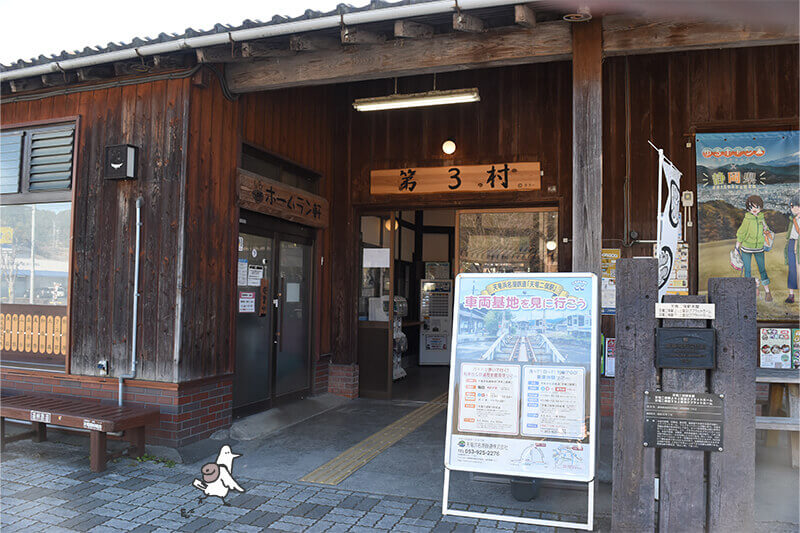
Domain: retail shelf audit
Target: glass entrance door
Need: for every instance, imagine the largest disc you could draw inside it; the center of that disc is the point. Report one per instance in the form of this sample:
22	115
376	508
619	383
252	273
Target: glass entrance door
253	376
293	316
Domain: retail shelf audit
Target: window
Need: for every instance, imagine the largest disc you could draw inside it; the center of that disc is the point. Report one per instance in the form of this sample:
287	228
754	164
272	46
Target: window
511	240
35	219
275	168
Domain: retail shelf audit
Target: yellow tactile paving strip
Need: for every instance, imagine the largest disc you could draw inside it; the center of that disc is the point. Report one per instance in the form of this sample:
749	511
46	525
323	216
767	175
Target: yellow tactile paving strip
338	469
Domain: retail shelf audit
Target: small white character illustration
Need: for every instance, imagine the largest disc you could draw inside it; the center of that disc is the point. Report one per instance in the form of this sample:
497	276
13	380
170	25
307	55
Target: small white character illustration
217	478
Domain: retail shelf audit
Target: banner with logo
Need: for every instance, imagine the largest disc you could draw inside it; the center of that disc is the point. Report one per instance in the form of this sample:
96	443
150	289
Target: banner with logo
734	169
523	375
670	225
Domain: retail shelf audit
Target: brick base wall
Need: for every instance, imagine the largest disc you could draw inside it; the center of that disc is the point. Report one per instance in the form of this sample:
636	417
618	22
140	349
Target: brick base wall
189	412
343	380
320	385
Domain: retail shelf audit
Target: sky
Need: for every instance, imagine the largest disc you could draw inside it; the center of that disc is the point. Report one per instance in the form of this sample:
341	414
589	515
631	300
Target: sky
47	27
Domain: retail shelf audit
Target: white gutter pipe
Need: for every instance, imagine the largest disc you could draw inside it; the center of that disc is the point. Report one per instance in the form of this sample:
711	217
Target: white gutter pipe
139	203
273	30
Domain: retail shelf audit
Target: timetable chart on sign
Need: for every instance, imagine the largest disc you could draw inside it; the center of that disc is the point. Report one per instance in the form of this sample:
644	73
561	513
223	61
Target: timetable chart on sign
554	402
489	399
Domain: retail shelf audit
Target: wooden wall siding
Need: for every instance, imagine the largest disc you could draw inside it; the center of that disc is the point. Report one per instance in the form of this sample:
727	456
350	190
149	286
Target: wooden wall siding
308	127
669	95
524	115
207	290
149	116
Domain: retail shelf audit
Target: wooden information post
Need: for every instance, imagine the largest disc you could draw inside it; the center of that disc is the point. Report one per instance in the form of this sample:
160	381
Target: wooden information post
700	487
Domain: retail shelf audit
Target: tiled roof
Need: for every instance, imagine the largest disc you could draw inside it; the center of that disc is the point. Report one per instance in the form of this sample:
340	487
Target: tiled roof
191	32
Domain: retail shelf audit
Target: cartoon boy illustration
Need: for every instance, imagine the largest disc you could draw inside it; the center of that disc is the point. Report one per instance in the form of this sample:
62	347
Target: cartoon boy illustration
750	242
792	250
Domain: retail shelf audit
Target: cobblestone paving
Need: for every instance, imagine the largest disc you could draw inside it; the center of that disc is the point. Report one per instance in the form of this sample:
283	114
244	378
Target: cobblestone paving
49	487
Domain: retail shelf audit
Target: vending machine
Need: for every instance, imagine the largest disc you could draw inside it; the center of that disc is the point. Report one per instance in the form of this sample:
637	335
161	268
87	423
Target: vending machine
436	315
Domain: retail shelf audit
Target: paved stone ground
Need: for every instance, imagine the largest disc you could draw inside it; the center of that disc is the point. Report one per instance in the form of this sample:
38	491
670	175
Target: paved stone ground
49	487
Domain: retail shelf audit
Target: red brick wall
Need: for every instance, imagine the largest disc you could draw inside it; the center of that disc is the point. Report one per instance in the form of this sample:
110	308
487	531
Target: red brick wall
189	412
320	385
343	380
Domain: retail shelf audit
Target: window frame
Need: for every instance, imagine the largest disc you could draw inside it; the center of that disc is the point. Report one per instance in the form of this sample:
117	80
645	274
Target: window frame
41	197
25	196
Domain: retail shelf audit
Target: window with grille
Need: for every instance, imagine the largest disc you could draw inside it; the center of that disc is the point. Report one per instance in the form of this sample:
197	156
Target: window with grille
36	173
36	159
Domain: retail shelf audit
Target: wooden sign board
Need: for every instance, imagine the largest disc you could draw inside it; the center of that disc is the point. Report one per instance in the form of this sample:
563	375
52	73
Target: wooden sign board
274	198
494	177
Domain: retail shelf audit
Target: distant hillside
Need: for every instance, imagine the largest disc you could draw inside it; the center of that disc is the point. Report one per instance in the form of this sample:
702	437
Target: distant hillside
719	220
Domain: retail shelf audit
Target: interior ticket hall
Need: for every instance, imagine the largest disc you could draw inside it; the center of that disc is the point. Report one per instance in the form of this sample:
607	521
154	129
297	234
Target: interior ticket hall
410	257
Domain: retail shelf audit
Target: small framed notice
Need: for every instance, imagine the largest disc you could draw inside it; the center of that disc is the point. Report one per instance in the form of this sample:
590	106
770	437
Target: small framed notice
685	311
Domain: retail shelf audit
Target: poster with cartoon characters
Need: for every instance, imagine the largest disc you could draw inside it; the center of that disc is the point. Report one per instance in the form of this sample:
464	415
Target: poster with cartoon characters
748	215
523	376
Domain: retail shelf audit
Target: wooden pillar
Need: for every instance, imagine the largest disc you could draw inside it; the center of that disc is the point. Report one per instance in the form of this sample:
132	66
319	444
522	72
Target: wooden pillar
732	472
682	498
587	145
632	496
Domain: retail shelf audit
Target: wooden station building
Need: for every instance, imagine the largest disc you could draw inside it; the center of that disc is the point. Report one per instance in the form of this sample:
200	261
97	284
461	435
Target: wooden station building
261	185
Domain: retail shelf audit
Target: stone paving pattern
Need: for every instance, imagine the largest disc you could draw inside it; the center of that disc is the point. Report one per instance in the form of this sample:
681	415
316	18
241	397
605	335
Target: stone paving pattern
49	487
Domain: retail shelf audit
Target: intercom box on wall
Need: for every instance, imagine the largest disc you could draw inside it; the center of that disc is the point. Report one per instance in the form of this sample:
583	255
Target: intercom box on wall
121	162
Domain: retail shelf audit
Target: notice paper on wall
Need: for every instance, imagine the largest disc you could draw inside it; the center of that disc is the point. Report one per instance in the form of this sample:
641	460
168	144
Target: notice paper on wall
608	288
377	258
242	273
247	302
254	275
292	293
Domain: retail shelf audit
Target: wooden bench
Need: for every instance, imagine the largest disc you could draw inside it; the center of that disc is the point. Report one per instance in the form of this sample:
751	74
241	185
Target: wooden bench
98	418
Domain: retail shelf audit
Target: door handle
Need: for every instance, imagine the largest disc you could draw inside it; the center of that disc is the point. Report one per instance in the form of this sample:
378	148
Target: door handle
280	301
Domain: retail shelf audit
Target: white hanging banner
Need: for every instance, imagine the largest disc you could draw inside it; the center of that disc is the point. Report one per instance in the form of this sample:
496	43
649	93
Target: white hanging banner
669	222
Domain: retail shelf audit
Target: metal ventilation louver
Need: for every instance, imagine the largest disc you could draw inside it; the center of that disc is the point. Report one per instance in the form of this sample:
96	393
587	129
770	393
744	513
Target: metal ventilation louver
51	158
10	158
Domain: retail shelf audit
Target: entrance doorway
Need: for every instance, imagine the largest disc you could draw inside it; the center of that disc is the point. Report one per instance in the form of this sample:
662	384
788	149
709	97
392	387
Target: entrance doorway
409	261
273	322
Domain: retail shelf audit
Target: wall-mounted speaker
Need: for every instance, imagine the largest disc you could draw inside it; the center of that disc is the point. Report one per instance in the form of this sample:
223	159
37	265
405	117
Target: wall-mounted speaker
121	162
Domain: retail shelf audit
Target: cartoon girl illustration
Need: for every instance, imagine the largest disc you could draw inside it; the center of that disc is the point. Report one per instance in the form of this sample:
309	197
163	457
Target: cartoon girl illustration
792	250
750	242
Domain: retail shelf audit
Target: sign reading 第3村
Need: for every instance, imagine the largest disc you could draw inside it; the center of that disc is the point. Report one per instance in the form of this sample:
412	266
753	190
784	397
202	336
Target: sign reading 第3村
523	376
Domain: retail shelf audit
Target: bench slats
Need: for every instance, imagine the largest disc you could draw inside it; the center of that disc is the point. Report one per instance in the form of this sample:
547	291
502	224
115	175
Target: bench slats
76	413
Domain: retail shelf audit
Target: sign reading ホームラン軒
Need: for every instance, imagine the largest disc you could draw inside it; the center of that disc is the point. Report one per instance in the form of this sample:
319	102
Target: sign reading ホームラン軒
457	178
277	199
523	375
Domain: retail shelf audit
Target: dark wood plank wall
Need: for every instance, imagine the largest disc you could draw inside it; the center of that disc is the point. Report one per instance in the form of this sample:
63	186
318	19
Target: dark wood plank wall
669	97
150	116
308	127
524	114
207	291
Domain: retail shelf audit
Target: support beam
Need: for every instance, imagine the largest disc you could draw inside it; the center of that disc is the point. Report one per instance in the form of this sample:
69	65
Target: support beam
260	49
356	35
524	16
626	35
96	72
220	54
587	145
551	41
309	42
58	79
408	29
26	84
467	23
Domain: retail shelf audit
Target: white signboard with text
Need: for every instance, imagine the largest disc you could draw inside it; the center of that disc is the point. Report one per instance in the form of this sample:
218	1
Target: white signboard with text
523	375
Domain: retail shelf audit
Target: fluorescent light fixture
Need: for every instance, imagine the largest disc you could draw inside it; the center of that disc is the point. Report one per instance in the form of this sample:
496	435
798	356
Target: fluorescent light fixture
431	98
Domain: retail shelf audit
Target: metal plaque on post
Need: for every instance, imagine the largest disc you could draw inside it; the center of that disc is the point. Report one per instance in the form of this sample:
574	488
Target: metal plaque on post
685	348
686	420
